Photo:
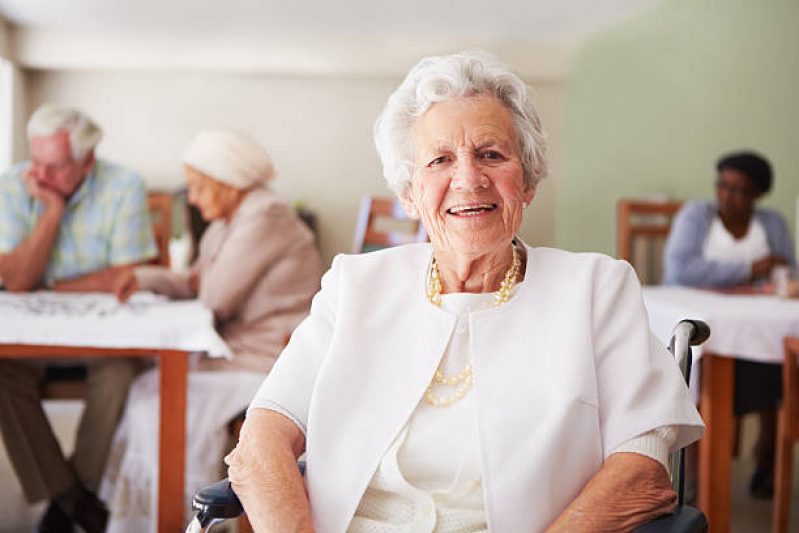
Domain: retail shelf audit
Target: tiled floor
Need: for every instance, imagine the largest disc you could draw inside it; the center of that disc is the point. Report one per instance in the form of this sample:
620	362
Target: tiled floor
749	516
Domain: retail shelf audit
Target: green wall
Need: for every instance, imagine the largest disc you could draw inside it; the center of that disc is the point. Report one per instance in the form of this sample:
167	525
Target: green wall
654	101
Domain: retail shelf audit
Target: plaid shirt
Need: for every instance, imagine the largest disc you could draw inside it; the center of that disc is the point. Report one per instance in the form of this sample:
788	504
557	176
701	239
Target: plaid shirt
105	222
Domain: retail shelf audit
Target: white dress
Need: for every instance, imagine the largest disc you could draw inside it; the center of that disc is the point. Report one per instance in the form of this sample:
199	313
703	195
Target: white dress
130	484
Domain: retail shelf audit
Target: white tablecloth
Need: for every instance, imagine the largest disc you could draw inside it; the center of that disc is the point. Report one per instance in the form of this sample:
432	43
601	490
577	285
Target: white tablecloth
98	320
742	326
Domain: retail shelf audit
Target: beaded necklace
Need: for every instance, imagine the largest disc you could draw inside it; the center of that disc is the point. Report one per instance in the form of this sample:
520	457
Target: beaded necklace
463	381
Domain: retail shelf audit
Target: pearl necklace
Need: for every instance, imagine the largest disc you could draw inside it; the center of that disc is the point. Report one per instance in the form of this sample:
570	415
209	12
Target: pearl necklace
464	381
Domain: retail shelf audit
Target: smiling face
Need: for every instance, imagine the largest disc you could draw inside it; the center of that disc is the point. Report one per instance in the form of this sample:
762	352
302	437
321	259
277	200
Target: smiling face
53	166
467	182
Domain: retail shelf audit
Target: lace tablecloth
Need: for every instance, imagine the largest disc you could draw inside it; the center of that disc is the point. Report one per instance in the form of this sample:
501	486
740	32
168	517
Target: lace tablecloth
78	319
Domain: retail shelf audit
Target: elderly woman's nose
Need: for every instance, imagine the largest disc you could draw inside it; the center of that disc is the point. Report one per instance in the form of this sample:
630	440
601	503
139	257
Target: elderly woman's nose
468	175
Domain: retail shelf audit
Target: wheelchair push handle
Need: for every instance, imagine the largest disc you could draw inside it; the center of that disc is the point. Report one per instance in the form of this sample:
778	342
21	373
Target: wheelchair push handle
700	332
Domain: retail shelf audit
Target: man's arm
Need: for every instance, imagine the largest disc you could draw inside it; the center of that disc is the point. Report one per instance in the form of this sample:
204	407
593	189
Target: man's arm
630	490
105	280
22	268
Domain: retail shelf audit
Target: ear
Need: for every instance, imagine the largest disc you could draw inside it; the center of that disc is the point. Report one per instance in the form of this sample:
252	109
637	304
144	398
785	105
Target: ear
88	162
528	195
406	201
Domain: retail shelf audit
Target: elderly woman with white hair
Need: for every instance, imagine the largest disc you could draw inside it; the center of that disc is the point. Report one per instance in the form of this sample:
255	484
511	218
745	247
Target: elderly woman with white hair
474	383
257	270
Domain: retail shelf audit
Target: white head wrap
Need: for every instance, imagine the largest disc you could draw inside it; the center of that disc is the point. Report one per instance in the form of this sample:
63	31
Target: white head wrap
230	157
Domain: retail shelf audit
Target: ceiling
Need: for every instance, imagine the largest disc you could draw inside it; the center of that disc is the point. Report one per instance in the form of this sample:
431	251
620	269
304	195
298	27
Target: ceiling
313	35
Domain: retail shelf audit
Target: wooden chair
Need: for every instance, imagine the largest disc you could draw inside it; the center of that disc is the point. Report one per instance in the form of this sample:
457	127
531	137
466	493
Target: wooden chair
68	382
383	223
787	433
160	206
644	219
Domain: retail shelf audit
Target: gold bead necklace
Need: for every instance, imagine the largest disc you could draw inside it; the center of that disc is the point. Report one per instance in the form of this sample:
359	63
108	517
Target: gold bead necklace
463	381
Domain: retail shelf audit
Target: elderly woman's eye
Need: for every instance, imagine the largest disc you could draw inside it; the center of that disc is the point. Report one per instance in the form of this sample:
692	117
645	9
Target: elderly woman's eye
492	154
438	161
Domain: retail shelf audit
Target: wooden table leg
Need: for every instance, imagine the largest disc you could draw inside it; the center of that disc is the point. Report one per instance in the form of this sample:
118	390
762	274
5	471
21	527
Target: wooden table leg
715	448
173	368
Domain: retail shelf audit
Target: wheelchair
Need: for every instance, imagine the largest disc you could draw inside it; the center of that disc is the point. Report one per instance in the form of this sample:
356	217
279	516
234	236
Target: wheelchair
217	502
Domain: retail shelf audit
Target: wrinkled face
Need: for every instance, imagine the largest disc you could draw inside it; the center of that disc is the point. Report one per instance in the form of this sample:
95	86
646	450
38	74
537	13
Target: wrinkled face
215	200
52	164
467	183
735	194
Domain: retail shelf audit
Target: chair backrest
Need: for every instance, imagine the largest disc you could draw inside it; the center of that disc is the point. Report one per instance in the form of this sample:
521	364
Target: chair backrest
382	222
642	228
160	206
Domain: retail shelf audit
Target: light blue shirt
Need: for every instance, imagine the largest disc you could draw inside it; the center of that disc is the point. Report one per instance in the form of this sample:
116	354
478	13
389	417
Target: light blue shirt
105	222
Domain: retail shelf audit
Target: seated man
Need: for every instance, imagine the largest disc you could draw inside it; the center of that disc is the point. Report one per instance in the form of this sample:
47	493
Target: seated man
68	222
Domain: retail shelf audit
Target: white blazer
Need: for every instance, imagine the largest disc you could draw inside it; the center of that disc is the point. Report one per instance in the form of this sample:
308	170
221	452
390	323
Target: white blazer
564	372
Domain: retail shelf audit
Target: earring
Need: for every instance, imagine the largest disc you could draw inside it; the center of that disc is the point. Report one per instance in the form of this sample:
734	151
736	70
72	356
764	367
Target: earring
525	205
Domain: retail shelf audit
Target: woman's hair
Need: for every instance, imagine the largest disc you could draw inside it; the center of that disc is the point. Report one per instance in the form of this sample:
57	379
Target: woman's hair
753	165
440	78
84	134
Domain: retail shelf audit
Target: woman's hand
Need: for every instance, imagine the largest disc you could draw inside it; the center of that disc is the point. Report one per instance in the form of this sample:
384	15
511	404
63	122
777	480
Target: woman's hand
763	266
630	490
264	474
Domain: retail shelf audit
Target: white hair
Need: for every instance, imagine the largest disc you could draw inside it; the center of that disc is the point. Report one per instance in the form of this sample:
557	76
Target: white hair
49	119
440	78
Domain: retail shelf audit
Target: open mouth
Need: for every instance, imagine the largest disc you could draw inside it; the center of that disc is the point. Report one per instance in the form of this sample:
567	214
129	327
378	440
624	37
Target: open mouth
471	210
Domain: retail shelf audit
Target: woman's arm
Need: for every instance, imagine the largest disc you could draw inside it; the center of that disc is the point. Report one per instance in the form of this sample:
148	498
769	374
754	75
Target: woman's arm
630	490
264	474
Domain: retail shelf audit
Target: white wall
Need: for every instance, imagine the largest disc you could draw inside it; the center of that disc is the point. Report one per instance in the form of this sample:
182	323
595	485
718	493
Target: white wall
317	129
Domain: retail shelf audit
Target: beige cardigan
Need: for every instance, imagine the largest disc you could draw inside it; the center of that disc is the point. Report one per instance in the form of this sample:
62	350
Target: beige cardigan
258	274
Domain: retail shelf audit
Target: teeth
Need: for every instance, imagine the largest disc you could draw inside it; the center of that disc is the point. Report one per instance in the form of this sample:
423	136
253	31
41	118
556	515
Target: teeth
470	210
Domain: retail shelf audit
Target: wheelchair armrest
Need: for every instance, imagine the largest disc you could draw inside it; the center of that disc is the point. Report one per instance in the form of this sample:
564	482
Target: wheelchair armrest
684	519
216	502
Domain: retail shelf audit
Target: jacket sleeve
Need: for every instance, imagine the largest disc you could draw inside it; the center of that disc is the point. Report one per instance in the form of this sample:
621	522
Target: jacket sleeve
779	237
639	386
684	262
161	280
289	386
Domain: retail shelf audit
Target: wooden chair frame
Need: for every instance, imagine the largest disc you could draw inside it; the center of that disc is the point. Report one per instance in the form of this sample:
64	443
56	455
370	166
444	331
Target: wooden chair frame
160	207
373	208
787	433
628	229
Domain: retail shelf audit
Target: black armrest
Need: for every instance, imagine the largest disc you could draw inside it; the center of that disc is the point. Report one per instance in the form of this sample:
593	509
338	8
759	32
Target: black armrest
684	520
218	501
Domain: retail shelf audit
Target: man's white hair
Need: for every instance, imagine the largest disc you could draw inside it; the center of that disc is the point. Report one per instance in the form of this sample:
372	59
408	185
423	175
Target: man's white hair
440	78
84	134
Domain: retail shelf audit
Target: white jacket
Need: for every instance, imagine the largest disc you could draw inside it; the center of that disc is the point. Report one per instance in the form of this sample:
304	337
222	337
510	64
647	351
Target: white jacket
564	372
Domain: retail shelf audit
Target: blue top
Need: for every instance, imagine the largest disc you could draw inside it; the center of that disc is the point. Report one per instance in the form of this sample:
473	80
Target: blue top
684	263
105	222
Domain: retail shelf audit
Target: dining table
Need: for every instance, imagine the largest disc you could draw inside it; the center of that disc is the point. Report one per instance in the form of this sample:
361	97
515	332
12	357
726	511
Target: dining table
68	328
747	325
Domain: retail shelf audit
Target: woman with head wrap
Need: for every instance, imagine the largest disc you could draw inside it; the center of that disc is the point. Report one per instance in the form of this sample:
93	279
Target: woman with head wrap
257	270
729	243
